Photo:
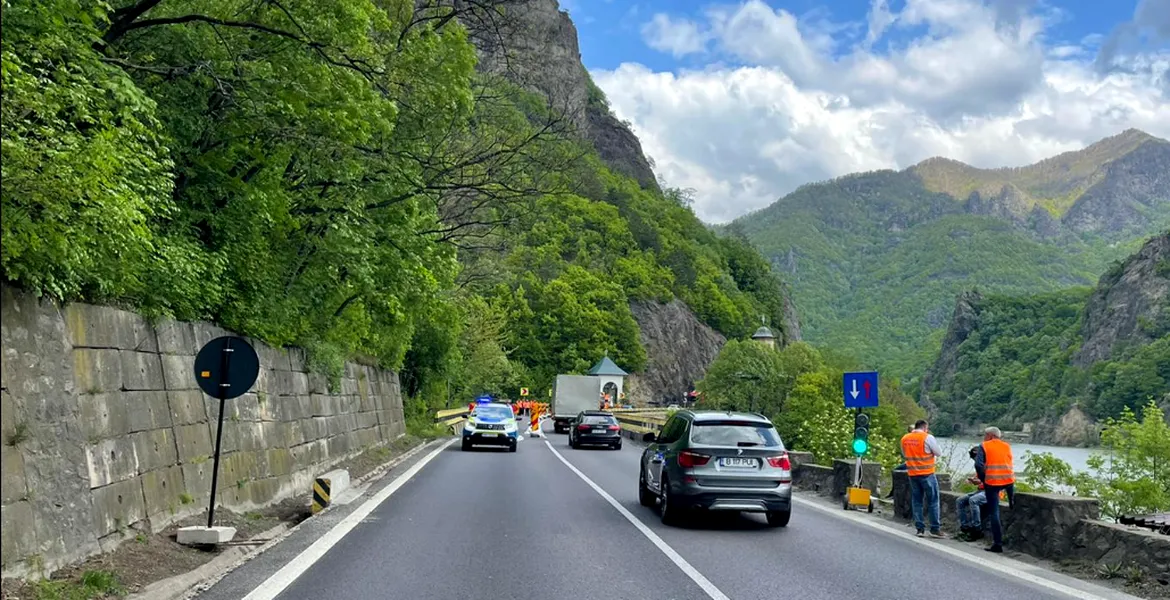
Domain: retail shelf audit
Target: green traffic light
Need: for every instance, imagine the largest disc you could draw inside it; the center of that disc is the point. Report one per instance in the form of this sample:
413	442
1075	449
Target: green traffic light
860	446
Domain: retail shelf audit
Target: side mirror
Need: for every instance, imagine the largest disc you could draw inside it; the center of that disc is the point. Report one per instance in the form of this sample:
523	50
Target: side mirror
649	437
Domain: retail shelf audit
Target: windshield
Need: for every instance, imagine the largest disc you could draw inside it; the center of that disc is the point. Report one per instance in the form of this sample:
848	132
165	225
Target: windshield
489	411
598	420
731	433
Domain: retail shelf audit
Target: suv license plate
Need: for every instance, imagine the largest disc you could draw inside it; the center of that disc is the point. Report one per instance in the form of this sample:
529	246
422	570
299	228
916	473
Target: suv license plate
740	463
599	430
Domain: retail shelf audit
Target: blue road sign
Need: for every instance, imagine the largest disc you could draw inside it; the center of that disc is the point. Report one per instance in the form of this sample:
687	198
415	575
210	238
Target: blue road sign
861	389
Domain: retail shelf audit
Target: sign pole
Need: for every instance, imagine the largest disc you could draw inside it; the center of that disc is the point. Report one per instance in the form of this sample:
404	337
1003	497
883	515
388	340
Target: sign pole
857	470
224	383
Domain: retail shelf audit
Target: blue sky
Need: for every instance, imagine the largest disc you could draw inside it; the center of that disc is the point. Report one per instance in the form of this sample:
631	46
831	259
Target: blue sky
610	34
744	100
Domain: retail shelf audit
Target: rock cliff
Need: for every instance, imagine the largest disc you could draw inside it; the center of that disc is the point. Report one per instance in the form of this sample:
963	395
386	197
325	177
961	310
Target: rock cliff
679	348
535	46
1058	359
1130	300
964	321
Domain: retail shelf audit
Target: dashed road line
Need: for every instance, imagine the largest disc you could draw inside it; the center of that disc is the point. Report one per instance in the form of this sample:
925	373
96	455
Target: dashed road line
713	592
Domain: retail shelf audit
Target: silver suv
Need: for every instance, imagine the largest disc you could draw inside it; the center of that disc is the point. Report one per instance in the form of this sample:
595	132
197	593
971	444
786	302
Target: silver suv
728	461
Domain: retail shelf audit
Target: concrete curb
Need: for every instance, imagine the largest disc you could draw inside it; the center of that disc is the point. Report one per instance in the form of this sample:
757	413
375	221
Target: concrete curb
175	587
206	575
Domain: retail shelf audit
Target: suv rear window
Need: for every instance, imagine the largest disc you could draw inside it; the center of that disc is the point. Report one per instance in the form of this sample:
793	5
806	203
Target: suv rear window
735	433
598	420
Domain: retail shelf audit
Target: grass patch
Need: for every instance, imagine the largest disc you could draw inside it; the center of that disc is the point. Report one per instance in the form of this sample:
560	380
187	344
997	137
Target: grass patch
426	429
92	585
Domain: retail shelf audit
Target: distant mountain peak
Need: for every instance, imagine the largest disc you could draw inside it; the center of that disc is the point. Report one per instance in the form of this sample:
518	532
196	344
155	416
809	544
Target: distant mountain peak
1054	183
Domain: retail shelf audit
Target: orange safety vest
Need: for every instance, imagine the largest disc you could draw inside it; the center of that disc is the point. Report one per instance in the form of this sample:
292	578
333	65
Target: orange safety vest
919	462
997	457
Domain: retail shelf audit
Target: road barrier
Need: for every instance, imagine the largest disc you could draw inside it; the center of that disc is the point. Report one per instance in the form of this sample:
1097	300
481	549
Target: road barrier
327	487
451	418
639	421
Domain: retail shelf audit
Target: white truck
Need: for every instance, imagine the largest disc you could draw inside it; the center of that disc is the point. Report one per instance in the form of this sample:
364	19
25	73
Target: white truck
571	395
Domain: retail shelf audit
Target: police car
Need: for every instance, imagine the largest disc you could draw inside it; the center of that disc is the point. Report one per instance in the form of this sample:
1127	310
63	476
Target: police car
491	424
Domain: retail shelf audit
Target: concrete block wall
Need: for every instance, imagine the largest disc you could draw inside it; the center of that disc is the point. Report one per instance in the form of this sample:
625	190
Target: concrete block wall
104	428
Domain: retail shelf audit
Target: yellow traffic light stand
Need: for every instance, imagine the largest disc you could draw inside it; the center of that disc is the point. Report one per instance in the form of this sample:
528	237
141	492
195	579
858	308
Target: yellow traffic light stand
857	496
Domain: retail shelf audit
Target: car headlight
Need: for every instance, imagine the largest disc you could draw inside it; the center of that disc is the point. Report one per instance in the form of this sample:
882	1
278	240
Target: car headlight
469	424
510	426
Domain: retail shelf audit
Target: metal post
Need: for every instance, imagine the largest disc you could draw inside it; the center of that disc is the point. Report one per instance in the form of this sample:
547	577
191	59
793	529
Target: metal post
857	470
225	365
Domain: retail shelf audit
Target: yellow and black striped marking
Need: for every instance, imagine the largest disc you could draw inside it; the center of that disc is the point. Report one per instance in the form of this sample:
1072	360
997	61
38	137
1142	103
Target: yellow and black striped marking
320	494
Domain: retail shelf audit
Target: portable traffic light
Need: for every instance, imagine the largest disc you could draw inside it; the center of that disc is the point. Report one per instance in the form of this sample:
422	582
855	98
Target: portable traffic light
860	434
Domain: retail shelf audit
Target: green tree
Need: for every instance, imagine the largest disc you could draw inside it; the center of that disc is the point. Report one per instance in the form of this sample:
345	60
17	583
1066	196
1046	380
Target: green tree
1132	475
746	375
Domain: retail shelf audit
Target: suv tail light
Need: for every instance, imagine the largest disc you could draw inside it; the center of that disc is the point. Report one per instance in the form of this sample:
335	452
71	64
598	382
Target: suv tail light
583	428
780	462
687	460
613	427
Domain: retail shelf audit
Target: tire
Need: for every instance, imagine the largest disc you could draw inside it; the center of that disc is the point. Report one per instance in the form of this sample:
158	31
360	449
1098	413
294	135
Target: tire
670	513
512	448
466	446
779	518
646	497
617	446
572	443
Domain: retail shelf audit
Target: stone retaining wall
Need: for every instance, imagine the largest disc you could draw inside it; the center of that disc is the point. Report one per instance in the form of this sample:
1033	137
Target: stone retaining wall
105	429
814	478
1057	527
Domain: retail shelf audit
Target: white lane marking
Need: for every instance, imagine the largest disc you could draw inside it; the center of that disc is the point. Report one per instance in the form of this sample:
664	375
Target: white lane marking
289	573
1000	565
670	553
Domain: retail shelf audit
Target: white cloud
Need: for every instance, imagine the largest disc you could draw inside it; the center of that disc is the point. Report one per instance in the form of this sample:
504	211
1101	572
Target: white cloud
974	80
676	36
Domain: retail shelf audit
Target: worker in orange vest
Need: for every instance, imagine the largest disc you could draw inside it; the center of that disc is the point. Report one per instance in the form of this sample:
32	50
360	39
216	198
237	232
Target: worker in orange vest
920	449
993	466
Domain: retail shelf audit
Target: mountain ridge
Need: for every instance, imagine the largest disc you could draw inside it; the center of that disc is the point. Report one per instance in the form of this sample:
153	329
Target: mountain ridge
1054	183
876	259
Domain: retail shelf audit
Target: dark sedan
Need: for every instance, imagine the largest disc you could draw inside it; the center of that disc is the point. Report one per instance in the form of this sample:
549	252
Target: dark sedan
595	428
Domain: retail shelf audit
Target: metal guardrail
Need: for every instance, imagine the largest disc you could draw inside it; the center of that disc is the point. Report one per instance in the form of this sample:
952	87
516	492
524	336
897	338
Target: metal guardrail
451	418
640	420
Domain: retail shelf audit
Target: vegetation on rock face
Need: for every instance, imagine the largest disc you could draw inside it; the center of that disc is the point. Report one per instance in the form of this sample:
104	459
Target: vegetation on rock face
800	390
1017	360
337	175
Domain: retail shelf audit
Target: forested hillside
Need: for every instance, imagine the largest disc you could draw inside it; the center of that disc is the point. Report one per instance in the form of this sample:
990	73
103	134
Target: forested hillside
339	175
1012	359
876	259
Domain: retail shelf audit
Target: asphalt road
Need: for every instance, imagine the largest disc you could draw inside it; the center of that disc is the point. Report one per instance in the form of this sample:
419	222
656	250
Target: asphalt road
492	524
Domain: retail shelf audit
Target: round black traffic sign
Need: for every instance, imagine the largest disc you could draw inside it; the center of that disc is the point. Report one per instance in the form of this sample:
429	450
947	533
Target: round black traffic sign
226	367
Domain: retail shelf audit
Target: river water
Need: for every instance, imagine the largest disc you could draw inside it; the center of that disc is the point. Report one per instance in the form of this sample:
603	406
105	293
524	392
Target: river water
955	448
